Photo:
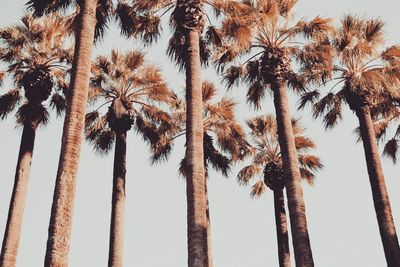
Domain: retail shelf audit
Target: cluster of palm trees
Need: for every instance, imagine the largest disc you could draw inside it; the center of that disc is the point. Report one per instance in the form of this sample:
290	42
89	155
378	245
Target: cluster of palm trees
255	44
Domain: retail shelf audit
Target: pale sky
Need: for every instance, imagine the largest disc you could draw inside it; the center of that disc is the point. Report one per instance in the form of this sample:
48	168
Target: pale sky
341	218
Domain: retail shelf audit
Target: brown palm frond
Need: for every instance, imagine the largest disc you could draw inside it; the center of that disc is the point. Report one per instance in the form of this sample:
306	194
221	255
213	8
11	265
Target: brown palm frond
253	71
42	7
232	7
146	5
225	54
8	102
147	130
374	31
308	98
247	173
182	170
303	143
392	54
213	36
161	149
104	141
310	162
316	29
58	102
391	148
213	157
237	28
307	175
296	82
255	94
232	76
258	189
208	91
32	113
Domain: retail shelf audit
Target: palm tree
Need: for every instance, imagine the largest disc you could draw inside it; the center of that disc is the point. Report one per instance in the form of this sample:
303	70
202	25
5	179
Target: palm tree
37	57
224	141
188	48
268	34
91	19
368	76
267	164
133	92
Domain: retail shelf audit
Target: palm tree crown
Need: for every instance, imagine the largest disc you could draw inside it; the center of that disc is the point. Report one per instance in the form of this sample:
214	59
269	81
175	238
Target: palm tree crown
38	57
267	161
367	74
265	31
134	92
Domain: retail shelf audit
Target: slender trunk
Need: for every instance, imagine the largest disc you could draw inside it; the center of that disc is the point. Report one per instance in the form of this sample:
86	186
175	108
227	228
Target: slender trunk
115	253
12	234
209	248
64	193
294	191
195	188
281	228
379	192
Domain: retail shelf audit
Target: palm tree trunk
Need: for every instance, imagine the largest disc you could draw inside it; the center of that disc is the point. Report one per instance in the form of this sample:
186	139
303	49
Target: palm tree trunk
195	188
64	193
298	221
209	248
115	258
380	195
12	234
281	228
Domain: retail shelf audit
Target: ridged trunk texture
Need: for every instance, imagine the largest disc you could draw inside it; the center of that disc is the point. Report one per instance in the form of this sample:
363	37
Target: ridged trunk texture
12	234
297	213
281	228
64	193
195	185
115	254
380	195
209	247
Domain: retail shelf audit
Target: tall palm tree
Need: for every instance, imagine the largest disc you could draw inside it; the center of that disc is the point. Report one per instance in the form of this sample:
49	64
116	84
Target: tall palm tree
188	48
37	57
273	40
224	141
133	92
267	164
91	19
368	76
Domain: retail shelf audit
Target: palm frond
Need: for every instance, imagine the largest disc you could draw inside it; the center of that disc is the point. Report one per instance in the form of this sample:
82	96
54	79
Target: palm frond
232	76
8	102
44	7
255	94
247	173
58	102
391	148
308	98
258	189
32	113
208	91
104	141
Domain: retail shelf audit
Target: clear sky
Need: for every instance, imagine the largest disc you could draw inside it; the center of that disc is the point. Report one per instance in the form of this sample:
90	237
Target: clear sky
341	218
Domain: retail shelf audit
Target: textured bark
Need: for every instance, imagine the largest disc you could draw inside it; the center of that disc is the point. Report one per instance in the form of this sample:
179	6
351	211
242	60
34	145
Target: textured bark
379	192
12	234
209	247
115	254
281	228
195	188
301	242
64	193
